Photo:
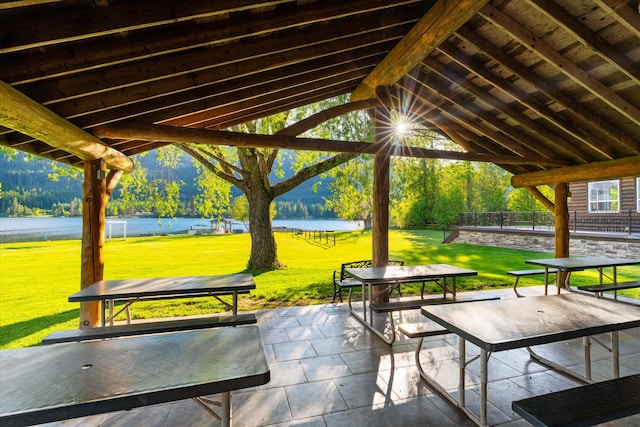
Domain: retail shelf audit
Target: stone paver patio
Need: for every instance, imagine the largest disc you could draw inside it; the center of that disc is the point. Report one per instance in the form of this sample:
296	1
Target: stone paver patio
327	370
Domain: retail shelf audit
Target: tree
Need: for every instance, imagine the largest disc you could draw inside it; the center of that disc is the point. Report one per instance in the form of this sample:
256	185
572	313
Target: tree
251	171
240	210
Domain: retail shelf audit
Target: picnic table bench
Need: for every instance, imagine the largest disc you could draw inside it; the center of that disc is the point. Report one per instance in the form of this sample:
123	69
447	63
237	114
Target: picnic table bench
586	405
414	304
599	289
146	328
423	329
523	273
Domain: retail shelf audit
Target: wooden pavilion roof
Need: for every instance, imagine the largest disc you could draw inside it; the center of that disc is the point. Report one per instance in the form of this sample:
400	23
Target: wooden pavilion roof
537	84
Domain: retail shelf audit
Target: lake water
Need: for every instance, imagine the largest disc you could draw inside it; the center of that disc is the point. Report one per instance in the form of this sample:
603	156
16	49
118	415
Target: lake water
46	228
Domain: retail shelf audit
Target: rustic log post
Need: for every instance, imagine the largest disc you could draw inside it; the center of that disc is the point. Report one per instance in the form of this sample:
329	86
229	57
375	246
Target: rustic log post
94	198
562	225
380	230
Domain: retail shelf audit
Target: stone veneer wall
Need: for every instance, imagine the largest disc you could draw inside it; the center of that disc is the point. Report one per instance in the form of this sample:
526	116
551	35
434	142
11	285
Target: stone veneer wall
544	241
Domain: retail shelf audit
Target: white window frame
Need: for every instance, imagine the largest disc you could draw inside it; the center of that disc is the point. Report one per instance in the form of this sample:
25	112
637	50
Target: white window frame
638	194
602	201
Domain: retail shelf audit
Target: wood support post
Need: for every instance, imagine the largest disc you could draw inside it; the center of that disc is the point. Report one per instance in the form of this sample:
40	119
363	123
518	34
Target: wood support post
94	198
380	232
562	224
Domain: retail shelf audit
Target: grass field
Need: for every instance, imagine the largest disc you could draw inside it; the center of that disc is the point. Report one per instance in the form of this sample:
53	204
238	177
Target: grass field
37	278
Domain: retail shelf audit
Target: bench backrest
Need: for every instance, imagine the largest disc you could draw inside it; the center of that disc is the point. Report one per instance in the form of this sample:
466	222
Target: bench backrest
364	264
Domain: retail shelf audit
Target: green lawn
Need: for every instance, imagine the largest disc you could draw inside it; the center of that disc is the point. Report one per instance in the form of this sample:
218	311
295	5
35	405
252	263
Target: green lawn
37	278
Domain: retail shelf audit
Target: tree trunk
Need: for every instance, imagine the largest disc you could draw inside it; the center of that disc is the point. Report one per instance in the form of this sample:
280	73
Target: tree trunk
264	253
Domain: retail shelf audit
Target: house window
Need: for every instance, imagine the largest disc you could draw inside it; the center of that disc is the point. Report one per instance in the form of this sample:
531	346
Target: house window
638	194
604	196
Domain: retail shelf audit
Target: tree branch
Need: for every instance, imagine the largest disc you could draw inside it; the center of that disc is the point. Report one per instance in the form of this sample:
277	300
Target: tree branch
229	177
309	172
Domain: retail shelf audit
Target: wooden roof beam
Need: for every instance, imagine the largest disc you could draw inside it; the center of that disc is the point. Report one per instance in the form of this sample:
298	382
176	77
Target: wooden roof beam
99	21
130	82
60	61
622	12
182	135
589	38
591	122
561	63
24	115
436	25
554	139
219	93
610	169
463	112
521	97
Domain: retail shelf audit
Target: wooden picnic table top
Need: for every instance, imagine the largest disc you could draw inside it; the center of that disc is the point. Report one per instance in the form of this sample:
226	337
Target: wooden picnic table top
69	380
167	286
407	272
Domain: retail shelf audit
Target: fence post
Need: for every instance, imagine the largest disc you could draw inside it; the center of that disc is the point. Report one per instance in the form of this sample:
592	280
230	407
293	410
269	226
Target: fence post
501	219
575	221
533	220
627	228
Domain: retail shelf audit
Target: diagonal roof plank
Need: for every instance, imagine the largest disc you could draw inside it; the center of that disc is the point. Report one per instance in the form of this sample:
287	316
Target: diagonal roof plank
27	116
441	21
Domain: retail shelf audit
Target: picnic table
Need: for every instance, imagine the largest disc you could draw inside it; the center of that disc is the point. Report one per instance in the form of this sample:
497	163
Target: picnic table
570	264
70	380
107	292
523	322
395	275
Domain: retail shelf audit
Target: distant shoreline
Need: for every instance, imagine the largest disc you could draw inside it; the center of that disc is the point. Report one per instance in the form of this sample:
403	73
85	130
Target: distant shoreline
41	228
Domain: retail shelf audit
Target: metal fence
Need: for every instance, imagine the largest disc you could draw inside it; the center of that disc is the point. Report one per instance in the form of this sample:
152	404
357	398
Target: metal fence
619	222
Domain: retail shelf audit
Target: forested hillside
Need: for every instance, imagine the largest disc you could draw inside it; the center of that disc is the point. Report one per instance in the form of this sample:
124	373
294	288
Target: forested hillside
27	189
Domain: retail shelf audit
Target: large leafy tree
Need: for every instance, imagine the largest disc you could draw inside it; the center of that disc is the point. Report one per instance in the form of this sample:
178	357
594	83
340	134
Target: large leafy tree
252	170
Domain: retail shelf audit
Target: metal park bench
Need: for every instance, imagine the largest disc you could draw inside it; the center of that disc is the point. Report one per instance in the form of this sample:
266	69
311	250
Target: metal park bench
342	281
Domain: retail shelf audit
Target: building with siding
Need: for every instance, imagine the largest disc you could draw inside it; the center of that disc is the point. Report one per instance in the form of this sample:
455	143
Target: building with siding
609	205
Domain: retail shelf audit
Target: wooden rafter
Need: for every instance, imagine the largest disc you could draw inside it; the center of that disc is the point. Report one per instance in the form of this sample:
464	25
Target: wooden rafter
610	169
172	134
590	39
21	113
519	96
551	136
562	64
440	22
586	119
509	137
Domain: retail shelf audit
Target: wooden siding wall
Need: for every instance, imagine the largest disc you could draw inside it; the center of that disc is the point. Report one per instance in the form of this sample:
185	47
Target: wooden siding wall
580	198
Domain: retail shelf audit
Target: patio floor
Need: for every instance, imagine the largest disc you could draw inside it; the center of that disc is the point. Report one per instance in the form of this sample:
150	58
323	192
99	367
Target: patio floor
327	370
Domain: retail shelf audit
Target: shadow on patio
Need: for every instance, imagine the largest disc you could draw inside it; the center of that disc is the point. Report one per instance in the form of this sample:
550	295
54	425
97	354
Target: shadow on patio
328	370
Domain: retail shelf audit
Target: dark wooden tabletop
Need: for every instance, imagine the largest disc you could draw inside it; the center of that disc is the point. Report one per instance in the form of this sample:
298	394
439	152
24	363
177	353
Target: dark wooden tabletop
582	262
62	381
408	272
514	323
134	288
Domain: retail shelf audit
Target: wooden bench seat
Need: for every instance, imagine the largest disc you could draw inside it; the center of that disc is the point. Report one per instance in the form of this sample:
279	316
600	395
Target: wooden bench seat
412	304
611	286
599	289
144	328
523	273
583	406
